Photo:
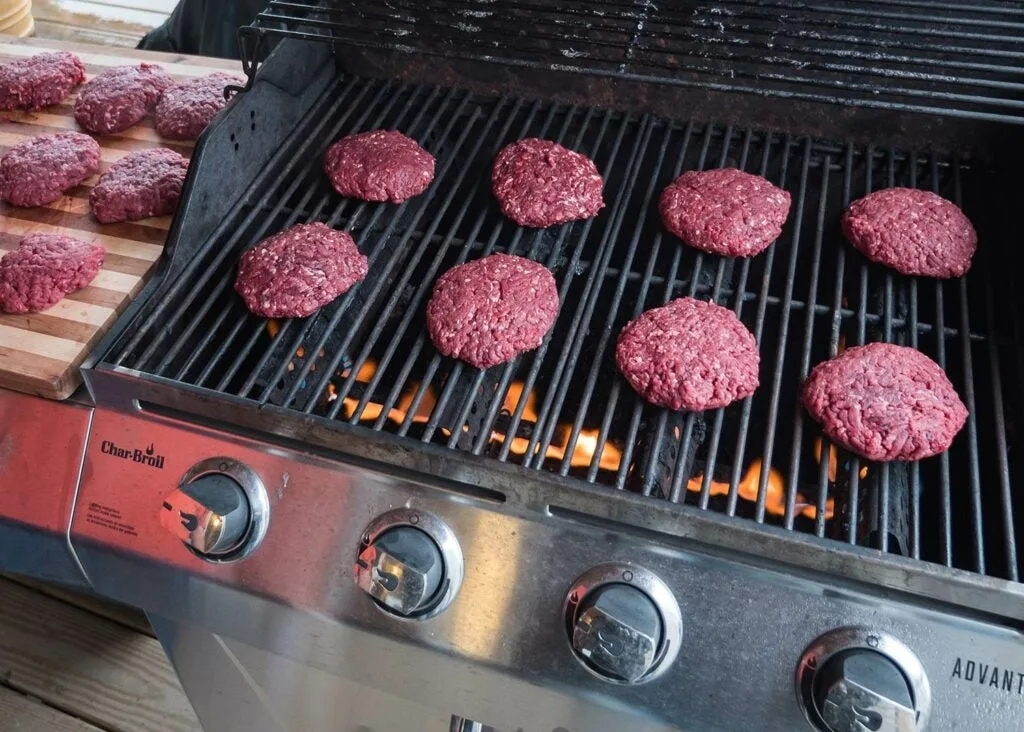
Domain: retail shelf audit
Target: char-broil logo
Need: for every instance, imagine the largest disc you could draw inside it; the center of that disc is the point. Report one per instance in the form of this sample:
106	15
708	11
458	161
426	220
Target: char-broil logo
147	456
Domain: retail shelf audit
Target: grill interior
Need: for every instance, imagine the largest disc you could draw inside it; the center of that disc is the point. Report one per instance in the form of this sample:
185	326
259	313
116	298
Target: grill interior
366	358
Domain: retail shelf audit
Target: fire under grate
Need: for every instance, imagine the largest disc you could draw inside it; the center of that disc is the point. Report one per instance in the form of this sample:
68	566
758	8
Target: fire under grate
366	358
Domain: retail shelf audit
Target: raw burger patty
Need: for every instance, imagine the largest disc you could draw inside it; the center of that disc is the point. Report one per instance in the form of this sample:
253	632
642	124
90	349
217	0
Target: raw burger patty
43	269
37	171
885	402
726	211
298	271
383	165
185	110
689	355
39	81
914	232
120	97
488	311
539	183
139	185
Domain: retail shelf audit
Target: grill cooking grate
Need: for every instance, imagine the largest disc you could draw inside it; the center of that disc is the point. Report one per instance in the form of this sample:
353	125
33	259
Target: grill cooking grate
366	358
954	59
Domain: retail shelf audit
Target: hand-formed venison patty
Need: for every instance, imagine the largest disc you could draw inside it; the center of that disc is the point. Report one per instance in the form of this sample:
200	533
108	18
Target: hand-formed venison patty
724	211
120	97
885	402
488	311
185	110
539	183
43	269
139	185
383	165
39	170
39	81
689	355
296	272
914	232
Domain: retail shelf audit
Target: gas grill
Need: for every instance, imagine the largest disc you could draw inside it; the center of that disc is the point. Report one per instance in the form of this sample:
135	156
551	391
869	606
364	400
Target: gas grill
534	546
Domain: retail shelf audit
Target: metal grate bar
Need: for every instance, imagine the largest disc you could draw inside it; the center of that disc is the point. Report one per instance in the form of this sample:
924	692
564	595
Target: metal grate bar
1005	489
581	330
915	467
972	425
946	540
759	321
711	460
805	365
630	438
776	388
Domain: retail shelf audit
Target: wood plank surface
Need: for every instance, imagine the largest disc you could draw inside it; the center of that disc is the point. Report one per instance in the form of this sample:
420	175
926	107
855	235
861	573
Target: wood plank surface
87	666
41	354
127	616
20	713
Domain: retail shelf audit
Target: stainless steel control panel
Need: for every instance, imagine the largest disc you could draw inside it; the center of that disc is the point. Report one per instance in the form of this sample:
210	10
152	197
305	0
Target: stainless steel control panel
517	617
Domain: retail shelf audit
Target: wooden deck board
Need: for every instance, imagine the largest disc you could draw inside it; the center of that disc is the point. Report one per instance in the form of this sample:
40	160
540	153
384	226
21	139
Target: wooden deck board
90	667
20	713
127	616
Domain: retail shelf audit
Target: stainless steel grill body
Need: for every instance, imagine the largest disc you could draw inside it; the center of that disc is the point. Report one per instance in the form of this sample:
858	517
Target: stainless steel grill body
290	613
42	445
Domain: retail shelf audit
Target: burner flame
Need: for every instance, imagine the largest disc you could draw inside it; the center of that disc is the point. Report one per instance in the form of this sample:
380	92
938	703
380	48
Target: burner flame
833	461
775	491
372	410
586	442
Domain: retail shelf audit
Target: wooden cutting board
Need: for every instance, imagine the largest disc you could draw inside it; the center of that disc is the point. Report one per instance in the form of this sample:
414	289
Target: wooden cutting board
41	353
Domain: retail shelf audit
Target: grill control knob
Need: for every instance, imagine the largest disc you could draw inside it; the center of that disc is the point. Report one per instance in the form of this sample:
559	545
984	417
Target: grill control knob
211	513
618	630
623	623
410	563
219	510
402	569
856	680
863	690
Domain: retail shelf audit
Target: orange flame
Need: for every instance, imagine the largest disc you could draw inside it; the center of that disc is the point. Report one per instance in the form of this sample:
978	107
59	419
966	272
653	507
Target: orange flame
775	491
833	461
373	410
586	442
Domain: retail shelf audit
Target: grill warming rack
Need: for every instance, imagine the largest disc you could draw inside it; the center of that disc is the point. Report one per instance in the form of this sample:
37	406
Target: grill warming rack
366	359
954	59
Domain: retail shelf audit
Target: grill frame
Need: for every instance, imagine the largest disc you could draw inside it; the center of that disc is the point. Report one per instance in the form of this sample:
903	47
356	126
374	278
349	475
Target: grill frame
161	394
